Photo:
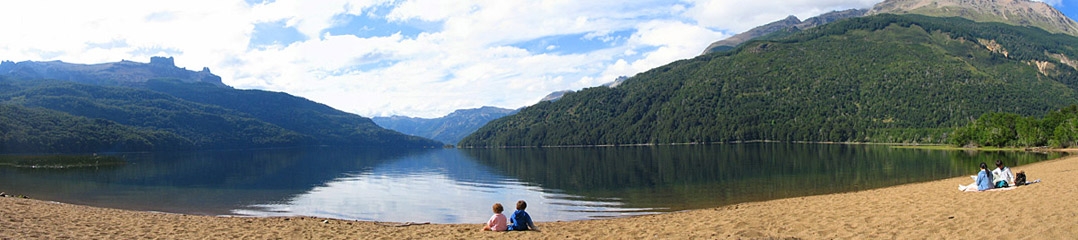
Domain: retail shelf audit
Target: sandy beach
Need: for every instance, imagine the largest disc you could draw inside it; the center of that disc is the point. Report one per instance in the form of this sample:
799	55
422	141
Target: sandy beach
935	210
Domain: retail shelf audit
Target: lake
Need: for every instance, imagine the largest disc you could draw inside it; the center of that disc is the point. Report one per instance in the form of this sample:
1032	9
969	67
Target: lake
459	185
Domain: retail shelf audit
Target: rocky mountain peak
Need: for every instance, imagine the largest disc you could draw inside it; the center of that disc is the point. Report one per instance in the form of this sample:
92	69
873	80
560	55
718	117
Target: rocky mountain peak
1014	12
789	23
163	61
124	73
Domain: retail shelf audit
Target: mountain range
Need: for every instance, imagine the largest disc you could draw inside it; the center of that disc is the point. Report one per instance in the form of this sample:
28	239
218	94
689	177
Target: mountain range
130	106
449	129
123	73
1013	12
855	75
879	78
789	24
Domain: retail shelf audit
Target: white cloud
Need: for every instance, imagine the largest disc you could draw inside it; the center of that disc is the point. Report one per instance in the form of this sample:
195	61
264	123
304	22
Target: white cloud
75	31
676	40
469	63
467	57
431	10
311	17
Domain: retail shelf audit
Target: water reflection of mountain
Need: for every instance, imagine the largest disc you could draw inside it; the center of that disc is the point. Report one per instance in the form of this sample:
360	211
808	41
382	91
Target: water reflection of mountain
208	182
682	177
454	186
440	186
453	164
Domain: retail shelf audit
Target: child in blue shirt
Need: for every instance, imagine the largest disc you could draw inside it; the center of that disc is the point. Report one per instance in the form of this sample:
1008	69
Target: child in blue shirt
520	220
984	178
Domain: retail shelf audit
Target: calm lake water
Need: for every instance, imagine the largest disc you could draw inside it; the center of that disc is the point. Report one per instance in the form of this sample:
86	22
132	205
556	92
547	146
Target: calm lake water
459	185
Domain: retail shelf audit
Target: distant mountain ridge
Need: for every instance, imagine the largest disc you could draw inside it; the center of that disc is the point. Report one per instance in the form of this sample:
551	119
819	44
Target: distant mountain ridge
554	96
1013	12
123	73
86	111
791	23
449	129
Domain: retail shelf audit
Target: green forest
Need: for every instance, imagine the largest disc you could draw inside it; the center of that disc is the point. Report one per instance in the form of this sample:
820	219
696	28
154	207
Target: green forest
1055	129
49	116
885	78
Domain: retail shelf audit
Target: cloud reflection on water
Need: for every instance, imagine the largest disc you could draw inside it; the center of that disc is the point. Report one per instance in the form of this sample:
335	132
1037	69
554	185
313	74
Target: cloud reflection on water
441	187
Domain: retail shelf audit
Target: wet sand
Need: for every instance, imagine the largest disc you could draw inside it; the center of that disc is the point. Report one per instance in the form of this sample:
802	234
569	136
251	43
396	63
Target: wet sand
1046	210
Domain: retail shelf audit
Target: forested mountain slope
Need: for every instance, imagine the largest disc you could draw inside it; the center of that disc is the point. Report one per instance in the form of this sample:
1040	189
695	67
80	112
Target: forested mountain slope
38	130
837	82
44	116
325	124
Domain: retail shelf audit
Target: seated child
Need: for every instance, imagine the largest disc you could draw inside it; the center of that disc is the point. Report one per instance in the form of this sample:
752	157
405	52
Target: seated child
981	182
1003	176
497	222
520	220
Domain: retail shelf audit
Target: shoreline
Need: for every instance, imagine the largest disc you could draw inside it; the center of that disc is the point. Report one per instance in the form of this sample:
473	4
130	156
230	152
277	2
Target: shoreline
931	146
934	209
692	144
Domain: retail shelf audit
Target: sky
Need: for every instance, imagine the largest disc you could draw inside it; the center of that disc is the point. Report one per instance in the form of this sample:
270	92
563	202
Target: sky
418	58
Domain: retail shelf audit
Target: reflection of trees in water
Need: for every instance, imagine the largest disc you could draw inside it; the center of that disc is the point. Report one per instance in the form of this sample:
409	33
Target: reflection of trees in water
211	182
969	161
681	177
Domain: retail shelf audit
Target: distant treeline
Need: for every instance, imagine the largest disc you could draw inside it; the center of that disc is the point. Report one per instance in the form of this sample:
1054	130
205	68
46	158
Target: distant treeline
1055	129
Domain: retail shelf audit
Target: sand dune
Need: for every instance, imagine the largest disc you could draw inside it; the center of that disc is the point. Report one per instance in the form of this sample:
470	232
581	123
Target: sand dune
1047	210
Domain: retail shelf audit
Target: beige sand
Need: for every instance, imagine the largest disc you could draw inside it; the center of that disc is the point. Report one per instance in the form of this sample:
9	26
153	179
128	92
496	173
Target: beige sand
1046	210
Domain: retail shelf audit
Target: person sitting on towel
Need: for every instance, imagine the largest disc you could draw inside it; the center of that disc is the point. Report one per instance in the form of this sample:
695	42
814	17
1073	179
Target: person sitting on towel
984	178
982	181
1002	175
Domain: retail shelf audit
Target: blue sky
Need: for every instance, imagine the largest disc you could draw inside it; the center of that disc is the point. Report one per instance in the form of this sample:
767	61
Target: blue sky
422	58
1070	8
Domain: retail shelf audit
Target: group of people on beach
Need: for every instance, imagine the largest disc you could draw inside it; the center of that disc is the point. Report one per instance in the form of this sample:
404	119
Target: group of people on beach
519	221
1001	177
